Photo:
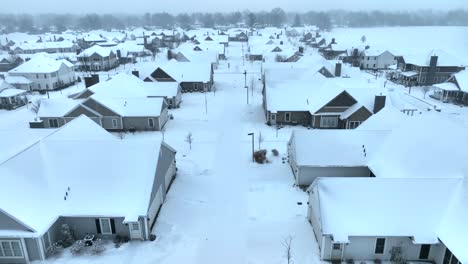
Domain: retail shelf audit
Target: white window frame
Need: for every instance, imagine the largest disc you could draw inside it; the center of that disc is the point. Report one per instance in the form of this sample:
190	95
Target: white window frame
52	122
102	229
353	122
322	123
133	226
45	237
2	255
114	123
286	115
375	245
149	123
336	246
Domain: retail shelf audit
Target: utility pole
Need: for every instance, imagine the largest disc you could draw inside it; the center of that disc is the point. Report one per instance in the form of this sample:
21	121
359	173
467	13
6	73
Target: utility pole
245	85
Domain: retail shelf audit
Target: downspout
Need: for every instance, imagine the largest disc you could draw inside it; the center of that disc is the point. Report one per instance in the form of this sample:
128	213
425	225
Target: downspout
41	248
342	251
145	219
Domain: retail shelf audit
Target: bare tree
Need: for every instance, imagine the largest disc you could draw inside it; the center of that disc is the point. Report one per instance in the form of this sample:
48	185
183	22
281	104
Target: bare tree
260	140
287	242
189	139
425	90
363	38
35	106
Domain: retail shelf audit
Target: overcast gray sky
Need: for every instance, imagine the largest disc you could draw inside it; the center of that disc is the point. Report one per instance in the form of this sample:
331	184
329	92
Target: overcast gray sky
177	6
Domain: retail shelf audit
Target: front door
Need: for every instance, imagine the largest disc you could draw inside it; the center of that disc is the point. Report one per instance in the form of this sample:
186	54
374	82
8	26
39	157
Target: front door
273	119
135	230
337	250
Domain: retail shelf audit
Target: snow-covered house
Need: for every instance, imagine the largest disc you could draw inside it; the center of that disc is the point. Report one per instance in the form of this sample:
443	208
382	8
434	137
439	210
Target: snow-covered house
455	89
373	59
97	58
9	62
317	102
129	86
48	47
56	190
427	69
10	97
345	154
112	113
415	205
45	73
192	77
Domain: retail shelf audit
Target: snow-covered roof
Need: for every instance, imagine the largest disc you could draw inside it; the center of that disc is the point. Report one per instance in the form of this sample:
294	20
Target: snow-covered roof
9	92
336	147
188	71
421	59
44	45
17	80
388	118
53	171
462	80
133	107
101	51
394	207
56	107
41	64
447	86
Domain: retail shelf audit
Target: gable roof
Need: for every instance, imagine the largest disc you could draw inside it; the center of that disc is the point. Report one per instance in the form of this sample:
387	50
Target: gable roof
41	64
96	49
57	172
56	107
395	207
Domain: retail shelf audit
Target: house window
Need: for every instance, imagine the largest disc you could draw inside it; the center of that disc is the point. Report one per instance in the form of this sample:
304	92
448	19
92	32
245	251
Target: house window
368	58
423	79
287	117
367	65
47	86
424	251
374	65
114	123
37	76
10	249
151	122
135	226
46	240
379	246
273	117
45	76
328	121
436	79
53	123
424	69
105	225
353	124
336	246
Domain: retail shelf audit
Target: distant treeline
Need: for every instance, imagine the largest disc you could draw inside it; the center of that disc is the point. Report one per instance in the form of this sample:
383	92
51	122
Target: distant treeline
276	17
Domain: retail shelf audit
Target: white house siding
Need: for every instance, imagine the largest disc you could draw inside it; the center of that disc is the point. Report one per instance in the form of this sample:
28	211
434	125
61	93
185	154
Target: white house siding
313	215
65	76
381	62
363	248
306	175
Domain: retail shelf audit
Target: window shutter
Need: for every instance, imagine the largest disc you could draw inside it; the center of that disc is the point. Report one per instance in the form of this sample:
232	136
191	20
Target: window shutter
98	226
112	226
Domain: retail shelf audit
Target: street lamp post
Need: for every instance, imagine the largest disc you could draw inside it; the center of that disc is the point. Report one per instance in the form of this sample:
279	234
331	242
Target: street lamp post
253	146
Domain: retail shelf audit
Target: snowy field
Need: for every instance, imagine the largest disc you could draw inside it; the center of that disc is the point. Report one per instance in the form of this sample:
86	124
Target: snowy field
401	40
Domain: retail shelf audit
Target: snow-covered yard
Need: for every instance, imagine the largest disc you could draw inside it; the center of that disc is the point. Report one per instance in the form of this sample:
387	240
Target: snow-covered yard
221	208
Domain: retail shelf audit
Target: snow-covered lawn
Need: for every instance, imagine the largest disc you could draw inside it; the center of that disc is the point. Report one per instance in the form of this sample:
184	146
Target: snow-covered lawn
222	208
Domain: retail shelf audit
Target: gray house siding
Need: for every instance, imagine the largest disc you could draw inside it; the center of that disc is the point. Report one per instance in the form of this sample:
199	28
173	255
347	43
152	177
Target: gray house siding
313	215
296	118
140	123
60	121
99	108
107	122
14	260
87	225
80	110
306	175
32	248
8	223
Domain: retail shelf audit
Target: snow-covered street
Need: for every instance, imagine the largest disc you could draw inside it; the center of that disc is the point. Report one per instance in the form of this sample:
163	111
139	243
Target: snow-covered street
223	208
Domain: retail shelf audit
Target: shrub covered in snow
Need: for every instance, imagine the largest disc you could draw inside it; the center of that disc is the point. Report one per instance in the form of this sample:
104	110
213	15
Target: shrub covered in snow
275	152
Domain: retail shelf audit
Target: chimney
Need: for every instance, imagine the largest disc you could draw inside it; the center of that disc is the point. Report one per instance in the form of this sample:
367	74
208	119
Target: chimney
90	81
136	73
338	69
145	41
119	54
301	49
333	41
433	61
281	42
379	103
